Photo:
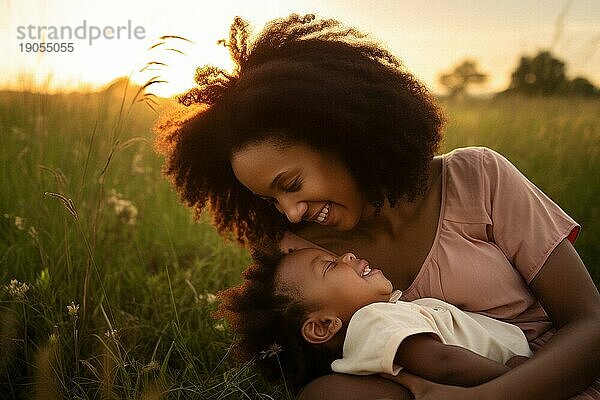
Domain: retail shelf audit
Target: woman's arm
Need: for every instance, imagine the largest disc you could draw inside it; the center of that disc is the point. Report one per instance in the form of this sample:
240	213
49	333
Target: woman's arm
567	364
352	387
431	359
570	361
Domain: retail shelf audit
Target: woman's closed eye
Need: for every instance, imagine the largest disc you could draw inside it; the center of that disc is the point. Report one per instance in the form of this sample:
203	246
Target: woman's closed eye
294	185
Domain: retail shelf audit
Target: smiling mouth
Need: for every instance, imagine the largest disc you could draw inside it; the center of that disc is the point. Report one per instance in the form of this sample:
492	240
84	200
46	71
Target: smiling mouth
323	214
366	271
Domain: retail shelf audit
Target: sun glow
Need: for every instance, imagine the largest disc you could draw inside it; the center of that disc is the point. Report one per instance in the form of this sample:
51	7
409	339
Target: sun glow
428	40
173	63
103	48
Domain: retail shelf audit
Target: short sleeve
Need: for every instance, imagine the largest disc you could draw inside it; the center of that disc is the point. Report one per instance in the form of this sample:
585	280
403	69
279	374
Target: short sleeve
374	334
526	224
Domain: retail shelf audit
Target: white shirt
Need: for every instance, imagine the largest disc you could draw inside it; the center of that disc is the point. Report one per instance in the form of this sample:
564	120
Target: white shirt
376	331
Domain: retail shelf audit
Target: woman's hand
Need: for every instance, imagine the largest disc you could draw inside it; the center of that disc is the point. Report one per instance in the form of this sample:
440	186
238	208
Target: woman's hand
423	389
569	361
567	364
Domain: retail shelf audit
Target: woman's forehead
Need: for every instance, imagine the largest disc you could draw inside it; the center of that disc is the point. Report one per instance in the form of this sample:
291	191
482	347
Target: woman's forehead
266	160
272	143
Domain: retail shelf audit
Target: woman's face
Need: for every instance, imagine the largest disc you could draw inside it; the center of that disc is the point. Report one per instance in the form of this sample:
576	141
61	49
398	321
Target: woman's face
302	183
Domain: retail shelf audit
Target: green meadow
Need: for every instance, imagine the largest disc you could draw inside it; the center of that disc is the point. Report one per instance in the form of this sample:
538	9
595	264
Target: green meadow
107	283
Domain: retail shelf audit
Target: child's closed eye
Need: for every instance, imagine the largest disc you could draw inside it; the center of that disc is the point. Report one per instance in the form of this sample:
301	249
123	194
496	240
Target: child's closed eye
329	265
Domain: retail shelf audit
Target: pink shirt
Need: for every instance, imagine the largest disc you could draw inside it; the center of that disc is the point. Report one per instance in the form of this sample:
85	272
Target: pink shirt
495	231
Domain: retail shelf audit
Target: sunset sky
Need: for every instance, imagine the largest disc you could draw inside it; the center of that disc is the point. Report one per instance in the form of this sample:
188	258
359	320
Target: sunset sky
429	36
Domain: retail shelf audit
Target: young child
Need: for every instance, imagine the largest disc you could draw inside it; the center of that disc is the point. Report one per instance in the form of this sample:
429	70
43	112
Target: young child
317	313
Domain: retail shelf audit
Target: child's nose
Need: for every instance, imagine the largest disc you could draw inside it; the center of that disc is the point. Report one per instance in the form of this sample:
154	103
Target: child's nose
348	257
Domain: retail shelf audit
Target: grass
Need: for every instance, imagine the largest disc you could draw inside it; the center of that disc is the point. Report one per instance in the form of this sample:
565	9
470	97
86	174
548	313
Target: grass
119	282
142	273
555	142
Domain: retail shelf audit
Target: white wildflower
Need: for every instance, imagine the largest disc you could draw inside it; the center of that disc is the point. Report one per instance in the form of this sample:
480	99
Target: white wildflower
73	310
208	297
20	223
124	208
220	327
137	164
16	289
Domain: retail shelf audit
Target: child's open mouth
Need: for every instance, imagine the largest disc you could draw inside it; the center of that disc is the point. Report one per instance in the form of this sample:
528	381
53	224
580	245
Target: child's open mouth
366	271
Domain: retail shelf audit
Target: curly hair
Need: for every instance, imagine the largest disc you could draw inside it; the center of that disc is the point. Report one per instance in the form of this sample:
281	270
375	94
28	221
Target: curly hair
267	322
302	80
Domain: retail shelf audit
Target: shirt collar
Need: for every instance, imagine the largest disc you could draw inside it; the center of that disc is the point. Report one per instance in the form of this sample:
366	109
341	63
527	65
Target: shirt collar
395	296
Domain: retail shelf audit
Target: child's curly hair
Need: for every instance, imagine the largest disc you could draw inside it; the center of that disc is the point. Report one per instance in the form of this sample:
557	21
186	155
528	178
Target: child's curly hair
302	80
267	322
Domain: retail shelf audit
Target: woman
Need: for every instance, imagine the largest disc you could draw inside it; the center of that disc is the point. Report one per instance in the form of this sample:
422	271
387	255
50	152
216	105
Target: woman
321	139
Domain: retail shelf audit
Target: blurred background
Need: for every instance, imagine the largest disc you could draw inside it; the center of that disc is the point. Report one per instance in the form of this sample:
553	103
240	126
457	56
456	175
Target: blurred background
430	37
106	282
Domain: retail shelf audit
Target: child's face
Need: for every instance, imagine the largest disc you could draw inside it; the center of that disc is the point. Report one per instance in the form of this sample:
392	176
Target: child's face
340	285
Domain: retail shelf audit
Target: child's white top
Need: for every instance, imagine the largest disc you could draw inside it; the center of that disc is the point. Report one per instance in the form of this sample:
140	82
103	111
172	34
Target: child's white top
375	332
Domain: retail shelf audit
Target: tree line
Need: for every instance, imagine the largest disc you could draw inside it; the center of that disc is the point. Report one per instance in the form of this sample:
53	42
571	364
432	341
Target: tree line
540	75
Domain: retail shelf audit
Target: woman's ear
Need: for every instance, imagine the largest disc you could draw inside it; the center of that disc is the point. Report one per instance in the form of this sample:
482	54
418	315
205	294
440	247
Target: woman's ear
317	329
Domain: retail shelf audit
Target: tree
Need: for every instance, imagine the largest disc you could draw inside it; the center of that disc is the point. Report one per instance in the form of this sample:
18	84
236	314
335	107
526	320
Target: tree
545	75
541	75
581	87
462	76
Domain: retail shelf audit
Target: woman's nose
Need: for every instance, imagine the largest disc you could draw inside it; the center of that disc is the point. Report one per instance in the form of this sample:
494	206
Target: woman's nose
348	257
293	210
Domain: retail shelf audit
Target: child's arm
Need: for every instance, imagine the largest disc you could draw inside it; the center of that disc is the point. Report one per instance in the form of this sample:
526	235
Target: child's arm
426	356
